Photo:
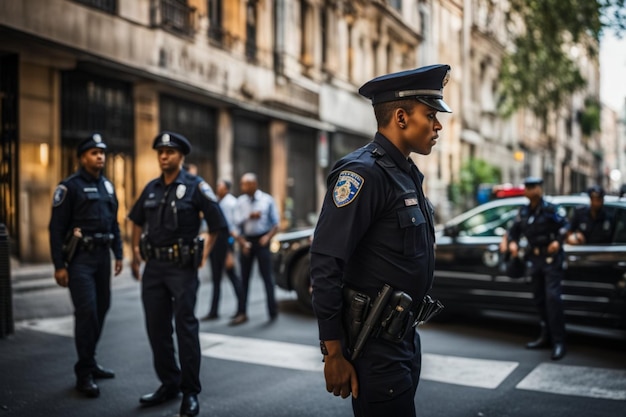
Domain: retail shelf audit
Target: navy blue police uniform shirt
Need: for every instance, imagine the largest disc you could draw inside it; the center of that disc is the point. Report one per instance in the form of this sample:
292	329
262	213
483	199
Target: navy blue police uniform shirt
89	203
541	226
171	212
598	230
375	228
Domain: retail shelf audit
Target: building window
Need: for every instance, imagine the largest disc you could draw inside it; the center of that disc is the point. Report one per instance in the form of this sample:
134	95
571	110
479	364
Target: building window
251	23
174	16
395	4
216	30
108	6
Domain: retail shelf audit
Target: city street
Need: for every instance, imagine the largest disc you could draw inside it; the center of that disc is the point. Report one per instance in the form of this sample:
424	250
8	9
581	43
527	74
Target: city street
471	368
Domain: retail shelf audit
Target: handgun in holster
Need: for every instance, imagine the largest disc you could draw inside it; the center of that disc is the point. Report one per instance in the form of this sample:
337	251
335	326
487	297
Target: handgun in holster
197	251
182	253
70	244
372	320
145	247
427	310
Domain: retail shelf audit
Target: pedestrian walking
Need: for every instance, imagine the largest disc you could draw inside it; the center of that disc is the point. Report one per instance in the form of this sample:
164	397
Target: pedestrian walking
544	226
256	219
83	230
373	249
166	220
222	255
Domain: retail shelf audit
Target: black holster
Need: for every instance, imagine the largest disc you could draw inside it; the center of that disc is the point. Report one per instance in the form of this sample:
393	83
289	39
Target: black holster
197	251
145	247
355	308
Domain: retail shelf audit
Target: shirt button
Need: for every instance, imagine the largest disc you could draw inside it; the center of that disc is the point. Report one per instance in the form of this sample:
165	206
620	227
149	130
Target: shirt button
413	219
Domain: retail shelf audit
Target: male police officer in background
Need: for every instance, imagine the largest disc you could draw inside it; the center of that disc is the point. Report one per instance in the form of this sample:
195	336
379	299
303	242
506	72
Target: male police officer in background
167	214
591	224
84	216
376	228
544	228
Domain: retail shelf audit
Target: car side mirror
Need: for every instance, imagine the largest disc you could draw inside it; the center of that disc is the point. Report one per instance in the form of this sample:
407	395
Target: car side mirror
451	230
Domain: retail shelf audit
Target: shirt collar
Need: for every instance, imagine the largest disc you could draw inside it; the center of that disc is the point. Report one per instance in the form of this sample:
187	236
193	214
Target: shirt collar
393	152
87	176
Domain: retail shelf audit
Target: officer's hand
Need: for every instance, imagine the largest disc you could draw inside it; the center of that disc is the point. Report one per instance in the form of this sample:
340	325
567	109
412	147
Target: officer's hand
513	249
61	277
134	267
118	266
341	378
553	247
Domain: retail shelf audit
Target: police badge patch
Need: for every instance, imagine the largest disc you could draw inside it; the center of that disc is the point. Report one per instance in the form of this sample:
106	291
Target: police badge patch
347	188
109	187
59	195
207	191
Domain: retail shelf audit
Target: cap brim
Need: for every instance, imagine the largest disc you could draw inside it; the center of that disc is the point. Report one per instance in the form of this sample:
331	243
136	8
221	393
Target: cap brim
436	103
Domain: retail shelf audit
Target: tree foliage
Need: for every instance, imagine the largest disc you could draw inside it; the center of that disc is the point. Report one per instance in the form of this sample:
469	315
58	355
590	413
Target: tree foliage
540	72
474	172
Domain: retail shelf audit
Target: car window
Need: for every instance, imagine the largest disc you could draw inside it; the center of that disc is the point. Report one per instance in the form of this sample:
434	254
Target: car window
491	222
620	225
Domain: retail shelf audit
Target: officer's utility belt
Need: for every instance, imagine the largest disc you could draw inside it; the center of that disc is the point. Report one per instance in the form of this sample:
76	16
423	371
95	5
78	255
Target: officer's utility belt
389	316
538	250
181	253
89	242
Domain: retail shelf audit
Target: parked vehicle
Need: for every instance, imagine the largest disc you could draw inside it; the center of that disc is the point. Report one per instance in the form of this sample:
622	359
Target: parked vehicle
468	274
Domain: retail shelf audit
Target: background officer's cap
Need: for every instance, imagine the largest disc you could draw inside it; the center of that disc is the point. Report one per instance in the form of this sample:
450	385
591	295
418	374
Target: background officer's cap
596	189
424	84
533	181
172	140
93	141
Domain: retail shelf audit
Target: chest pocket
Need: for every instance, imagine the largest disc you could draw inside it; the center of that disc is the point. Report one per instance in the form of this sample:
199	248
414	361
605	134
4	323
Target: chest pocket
410	219
89	208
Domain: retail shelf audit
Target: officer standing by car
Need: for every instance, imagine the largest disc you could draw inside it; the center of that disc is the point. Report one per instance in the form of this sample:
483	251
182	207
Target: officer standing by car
591	224
166	220
544	227
376	232
83	230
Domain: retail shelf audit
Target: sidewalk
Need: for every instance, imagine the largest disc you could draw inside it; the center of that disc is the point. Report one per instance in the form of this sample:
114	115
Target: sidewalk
31	276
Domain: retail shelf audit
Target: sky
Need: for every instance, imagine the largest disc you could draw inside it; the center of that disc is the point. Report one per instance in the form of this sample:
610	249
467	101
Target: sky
613	71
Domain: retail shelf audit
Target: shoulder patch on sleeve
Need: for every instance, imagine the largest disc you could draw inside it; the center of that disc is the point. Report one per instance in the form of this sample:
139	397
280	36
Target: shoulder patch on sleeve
59	195
347	188
207	191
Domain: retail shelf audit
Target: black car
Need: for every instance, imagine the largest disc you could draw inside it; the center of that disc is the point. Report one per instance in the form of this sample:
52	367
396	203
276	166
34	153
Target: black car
468	270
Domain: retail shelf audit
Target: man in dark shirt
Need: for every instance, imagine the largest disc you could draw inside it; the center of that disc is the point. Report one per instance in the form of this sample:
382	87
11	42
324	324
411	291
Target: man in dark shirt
84	218
376	228
591	224
166	220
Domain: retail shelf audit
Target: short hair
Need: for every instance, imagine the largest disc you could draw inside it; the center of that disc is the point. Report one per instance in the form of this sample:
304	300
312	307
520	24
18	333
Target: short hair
384	111
227	183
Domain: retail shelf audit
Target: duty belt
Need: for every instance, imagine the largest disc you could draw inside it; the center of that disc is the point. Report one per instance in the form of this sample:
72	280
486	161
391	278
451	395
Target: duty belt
97	239
166	253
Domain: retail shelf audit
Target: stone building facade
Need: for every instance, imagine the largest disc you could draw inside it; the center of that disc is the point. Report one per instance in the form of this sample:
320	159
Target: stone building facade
268	86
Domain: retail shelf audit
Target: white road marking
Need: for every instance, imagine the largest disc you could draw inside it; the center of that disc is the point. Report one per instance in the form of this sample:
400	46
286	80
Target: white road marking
480	373
581	381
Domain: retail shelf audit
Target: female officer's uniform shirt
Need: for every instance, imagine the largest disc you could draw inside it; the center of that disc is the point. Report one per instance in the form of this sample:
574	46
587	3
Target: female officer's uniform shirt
170	212
598	230
375	228
86	202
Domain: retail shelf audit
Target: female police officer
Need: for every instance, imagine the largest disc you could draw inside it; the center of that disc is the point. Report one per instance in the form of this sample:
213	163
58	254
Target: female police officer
376	228
167	214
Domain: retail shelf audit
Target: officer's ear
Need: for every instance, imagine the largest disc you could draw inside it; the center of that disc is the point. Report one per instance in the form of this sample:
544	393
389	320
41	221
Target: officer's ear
400	117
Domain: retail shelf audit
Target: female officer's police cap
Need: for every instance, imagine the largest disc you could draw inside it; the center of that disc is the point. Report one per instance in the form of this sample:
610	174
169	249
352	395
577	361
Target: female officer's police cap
424	84
533	181
93	141
172	140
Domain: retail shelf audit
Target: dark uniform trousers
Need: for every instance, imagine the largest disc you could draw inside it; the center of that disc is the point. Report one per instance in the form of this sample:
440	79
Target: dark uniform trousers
546	285
218	260
262	253
90	288
167	289
388	377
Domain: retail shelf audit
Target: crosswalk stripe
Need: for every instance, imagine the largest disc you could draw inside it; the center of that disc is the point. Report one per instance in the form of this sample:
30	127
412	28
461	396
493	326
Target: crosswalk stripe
581	381
480	373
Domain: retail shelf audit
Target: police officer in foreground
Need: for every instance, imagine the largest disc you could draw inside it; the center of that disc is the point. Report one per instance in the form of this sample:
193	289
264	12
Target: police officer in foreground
544	227
166	220
83	230
591	224
375	236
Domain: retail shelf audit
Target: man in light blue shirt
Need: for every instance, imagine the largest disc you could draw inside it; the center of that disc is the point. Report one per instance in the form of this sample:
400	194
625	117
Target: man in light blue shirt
256	220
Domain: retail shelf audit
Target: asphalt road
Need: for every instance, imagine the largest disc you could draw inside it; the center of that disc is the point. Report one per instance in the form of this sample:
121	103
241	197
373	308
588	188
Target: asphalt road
471	367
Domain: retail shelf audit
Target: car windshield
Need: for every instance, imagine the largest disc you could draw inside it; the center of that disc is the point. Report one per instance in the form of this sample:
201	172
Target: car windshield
491	222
